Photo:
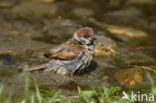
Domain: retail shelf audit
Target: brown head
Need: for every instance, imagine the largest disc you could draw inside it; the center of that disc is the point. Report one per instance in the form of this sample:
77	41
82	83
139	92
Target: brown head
85	35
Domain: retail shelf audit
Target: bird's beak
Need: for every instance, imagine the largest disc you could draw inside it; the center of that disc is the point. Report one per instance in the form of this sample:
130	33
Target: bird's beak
92	38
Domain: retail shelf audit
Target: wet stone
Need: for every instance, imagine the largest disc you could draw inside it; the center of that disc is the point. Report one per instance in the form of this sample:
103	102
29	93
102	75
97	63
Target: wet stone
129	16
83	12
6	3
131	77
47	1
105	47
122	31
153	26
60	30
35	9
20	44
129	13
5	27
140	2
139	59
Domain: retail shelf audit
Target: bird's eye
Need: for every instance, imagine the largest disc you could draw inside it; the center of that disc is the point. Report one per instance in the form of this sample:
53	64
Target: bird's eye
86	36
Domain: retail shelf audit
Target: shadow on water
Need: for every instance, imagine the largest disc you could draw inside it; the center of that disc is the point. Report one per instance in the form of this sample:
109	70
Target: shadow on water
7	61
93	66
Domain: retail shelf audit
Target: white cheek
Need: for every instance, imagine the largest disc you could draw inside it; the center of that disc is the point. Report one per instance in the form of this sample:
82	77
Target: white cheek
75	36
82	40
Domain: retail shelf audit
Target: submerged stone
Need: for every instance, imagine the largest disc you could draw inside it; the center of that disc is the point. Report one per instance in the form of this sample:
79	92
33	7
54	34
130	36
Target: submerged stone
83	12
130	77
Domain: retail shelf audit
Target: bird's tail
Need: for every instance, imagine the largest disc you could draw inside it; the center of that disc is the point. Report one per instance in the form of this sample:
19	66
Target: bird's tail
38	67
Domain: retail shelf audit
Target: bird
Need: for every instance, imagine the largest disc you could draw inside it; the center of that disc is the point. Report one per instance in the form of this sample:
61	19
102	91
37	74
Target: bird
73	55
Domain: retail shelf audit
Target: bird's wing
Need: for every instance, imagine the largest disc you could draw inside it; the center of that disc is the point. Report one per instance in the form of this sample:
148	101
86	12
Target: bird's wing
66	51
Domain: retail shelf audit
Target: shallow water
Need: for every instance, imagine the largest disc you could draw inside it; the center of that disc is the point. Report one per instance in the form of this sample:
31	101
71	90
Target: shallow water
29	28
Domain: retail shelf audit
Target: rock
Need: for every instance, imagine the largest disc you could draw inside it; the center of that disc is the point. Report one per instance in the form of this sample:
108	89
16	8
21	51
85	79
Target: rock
48	1
6	4
141	2
129	13
61	29
5	27
20	44
81	1
130	16
125	31
105	47
130	77
35	9
153	26
104	51
139	58
114	3
14	25
83	12
121	32
9	52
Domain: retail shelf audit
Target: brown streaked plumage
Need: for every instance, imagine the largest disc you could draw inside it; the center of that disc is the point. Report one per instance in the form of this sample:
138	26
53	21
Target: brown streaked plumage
73	55
67	51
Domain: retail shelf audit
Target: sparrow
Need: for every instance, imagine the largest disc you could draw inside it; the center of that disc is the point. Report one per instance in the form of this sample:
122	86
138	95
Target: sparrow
71	56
